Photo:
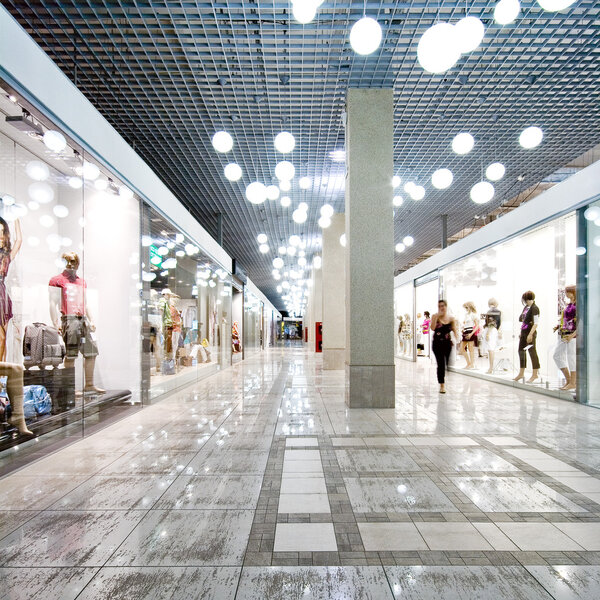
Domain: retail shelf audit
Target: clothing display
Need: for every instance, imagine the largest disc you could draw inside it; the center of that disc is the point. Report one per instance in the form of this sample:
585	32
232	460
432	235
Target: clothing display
490	338
73	292
78	336
529	317
468	329
6	307
496	314
565	354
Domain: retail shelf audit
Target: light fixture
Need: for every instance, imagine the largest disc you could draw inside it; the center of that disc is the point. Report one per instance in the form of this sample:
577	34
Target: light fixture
327	211
365	36
233	171
101	184
285	186
305	183
180	253
555	5
482	192
438	48
263	248
495	171
61	211
302	261
531	137
408	186
261	238
442	179
42	192
396	181
222	141
284	170
90	171
397	201
463	143
256	192
303	206
54	140
282	250
417	192
317	262
285	141
338	155
469	32
304	11
125	193
276	275
8	200
408	240
400	247
278	263
343	240
36	170
179	238
506	11
272	192
295	240
285	201
592	213
291	251
324	222
46	221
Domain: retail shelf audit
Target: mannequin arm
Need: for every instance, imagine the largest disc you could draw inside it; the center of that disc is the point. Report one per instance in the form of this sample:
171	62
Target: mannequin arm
18	240
54	295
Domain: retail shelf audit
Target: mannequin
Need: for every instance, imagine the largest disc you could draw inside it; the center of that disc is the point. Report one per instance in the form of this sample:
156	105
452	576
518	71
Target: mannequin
425	326
419	328
407	334
564	353
492	333
71	316
8	252
469	326
14	389
529	323
400	328
176	319
164	308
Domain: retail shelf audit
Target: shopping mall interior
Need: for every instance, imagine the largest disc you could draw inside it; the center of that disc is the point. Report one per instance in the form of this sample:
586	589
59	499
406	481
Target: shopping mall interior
299	300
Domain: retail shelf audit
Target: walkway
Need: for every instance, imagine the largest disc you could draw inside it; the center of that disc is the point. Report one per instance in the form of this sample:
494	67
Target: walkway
259	483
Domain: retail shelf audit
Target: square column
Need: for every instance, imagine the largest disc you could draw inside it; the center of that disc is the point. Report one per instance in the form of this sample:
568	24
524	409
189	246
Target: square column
334	288
370	249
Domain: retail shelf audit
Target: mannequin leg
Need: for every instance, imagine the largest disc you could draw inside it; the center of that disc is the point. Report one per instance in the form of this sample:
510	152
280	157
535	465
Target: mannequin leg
88	367
14	389
2	344
535	361
470	355
572	362
491	360
522	357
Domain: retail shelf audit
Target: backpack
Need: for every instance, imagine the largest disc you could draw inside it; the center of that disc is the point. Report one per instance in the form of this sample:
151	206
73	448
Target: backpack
36	401
43	346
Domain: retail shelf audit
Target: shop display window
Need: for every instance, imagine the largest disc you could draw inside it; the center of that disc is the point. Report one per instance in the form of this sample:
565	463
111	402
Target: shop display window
252	321
404	296
426	299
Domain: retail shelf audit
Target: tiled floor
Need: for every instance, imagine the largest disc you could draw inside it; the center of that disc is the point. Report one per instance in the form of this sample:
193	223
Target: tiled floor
259	483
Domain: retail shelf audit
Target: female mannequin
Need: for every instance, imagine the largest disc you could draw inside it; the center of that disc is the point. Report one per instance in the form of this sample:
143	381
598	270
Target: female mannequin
564	353
470	325
407	334
442	325
492	330
529	323
400	328
8	252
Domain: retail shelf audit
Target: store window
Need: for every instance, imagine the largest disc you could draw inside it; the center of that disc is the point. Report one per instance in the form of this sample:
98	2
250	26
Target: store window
404	297
426	305
252	322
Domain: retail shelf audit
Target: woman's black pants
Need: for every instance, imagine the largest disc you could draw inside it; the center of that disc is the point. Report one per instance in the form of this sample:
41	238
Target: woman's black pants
441	350
523	343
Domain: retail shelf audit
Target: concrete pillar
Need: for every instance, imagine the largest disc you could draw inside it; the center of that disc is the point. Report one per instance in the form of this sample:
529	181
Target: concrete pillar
334	286
370	249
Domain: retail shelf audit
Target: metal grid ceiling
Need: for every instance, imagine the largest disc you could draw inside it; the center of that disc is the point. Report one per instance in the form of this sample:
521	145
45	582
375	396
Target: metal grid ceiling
168	74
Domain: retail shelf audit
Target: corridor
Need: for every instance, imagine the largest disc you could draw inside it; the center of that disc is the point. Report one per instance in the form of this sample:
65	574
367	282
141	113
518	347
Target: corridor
259	483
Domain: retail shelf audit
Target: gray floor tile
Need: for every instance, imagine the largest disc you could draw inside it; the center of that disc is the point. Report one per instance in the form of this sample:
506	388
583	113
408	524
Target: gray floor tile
36	492
228	462
64	583
149	463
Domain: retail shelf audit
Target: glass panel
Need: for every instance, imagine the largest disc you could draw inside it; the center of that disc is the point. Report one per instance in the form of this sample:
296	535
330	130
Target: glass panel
426	296
404	309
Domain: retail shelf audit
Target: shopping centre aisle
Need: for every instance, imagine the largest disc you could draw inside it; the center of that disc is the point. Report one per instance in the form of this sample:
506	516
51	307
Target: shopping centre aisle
259	483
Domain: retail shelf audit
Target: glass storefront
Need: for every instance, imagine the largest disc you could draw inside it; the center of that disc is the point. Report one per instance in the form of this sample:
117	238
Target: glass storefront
404	297
426	298
252	322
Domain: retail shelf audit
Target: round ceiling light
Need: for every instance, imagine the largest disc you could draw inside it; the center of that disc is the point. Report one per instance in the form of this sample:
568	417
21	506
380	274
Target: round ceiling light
303	206
400	247
299	216
495	171
343	240
278	263
101	184
75	182
327	211
417	192
506	11
294	240
305	183
397	201
125	193
463	143
324	222
90	171
469	32
365	36
531	137
304	11
592	213
263	248
285	186
36	170
285	141
222	141
482	192
285	170
554	5
317	262
438	48
408	186
302	261
55	141
272	192
408	240
282	250
396	181
442	179
291	251
262	238
233	172
285	201
256	192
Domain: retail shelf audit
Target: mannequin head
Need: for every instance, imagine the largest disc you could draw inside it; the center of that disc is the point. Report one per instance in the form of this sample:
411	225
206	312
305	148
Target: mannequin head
528	298
469	307
442	307
493	303
571	293
4	236
71	261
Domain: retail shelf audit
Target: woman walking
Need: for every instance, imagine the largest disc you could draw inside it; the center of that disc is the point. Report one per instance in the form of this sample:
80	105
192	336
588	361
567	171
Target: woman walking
442	325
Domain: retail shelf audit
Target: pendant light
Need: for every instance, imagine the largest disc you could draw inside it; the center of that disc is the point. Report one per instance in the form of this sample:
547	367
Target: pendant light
438	48
506	11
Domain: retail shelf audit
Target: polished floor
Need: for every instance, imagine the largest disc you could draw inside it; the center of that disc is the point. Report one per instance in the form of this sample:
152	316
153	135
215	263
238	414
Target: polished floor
259	483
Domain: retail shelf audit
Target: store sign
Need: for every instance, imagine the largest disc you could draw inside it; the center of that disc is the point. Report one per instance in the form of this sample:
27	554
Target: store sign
155	258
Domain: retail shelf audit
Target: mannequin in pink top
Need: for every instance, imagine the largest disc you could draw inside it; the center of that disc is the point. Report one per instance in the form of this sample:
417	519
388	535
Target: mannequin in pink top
8	252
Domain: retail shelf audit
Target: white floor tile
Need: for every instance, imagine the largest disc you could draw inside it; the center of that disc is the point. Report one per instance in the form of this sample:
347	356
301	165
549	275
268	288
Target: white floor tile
538	537
305	537
304	503
585	534
292	484
301	441
391	537
452	536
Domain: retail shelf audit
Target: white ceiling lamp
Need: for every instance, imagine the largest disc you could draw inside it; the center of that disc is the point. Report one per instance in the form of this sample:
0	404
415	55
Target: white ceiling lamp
396	181
285	201
592	213
417	192
324	222
278	263
54	140
469	32
302	261
482	192
409	186
256	192
90	171
305	183
303	206
285	142
262	238
495	171
101	184
365	36
400	247
397	201
438	48
294	240
233	172
291	251
343	240
463	143
272	192
317	262
285	186
327	211
304	11
36	170
408	240
75	182
531	137
442	179
506	11
263	248
276	275
285	170
125	193
222	141
282	250
555	5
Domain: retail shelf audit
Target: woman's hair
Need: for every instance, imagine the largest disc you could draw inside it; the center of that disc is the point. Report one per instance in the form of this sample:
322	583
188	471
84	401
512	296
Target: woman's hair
426	313
529	295
470	307
571	289
493	302
6	245
443	302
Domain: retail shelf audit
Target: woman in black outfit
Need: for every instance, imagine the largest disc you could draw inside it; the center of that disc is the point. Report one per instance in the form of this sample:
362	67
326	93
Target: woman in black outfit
442	325
529	324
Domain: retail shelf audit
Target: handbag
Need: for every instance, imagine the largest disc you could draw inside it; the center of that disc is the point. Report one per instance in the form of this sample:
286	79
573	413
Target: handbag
168	367
36	401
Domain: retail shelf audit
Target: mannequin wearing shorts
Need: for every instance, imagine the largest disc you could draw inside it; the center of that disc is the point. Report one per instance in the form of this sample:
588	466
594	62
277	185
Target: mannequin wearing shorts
67	299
